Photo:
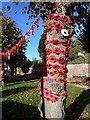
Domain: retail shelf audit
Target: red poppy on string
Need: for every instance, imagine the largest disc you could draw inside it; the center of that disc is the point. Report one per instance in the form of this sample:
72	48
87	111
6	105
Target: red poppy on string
51	16
65	70
52	58
56	50
58	27
55	42
66	54
57	17
49	66
51	96
48	51
63	19
61	60
51	73
56	67
32	29
55	71
71	21
46	42
70	36
63	74
37	24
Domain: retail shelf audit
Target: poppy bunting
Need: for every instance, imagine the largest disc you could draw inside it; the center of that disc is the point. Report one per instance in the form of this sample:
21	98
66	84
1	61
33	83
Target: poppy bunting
20	42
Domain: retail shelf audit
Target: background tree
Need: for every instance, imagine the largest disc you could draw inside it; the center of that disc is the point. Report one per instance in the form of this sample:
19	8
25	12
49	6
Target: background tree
10	36
41	46
25	65
76	47
36	9
85	34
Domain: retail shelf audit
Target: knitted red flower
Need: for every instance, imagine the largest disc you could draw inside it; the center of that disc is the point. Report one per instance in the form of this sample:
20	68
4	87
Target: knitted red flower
52	58
56	50
48	51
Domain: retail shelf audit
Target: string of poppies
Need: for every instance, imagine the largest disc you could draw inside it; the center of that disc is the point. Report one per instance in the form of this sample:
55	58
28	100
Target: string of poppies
50	80
60	18
49	95
56	67
53	59
56	42
56	50
15	48
57	27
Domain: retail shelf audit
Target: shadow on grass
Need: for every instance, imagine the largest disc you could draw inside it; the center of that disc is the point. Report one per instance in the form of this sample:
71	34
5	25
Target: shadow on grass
15	90
74	110
15	83
26	77
17	111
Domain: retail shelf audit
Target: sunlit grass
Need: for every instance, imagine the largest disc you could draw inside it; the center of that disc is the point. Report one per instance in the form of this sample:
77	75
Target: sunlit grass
23	98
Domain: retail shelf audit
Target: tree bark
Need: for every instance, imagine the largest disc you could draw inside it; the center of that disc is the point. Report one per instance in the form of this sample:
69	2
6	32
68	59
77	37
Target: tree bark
47	108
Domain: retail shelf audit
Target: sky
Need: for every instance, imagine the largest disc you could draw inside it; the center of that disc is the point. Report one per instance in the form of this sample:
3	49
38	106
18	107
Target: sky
21	20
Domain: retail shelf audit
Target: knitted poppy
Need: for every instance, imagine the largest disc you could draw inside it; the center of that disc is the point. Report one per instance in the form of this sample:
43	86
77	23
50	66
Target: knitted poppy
55	71
71	21
61	60
65	70
51	73
56	50
56	67
49	66
46	42
63	74
63	19
48	51
51	16
64	43
52	59
58	27
57	17
69	36
66	54
55	42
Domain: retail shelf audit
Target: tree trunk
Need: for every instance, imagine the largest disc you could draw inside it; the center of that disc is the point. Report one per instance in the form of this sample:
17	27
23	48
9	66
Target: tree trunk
53	86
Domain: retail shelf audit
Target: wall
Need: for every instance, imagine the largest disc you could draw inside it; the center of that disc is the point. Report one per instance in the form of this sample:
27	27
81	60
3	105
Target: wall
78	70
73	70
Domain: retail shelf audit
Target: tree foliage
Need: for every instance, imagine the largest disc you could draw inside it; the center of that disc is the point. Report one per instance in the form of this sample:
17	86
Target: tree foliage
85	34
41	45
76	47
10	36
42	9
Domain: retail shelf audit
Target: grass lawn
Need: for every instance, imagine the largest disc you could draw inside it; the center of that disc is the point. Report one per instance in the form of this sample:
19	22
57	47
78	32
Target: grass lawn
20	100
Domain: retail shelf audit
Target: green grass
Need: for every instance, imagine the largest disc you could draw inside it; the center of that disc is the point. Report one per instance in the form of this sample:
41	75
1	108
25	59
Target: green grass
22	99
